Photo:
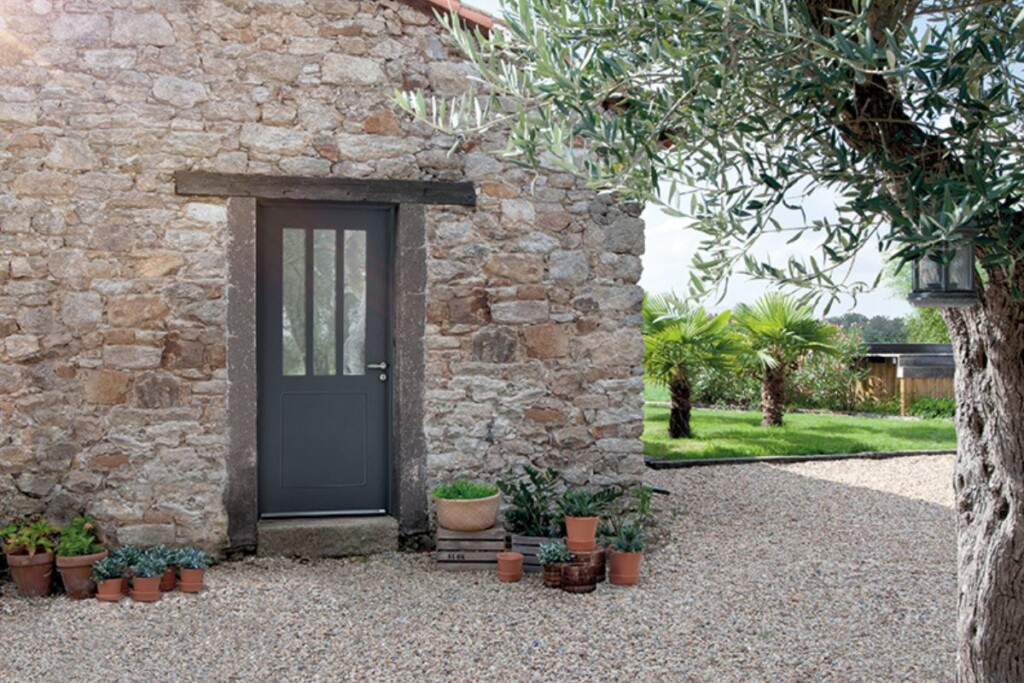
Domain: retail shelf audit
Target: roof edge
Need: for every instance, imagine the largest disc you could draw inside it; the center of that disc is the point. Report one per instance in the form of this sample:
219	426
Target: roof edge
471	17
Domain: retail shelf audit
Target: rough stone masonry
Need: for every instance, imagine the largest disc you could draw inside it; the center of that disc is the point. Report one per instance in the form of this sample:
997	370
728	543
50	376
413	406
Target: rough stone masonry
113	289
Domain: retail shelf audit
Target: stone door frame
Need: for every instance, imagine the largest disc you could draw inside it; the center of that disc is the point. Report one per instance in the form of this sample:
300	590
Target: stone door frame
408	457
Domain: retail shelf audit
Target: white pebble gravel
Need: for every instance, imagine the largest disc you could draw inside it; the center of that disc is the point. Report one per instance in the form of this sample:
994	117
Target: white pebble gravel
816	572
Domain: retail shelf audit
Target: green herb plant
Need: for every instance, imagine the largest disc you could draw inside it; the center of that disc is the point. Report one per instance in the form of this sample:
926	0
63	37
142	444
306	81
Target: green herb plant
78	538
463	489
29	535
532	511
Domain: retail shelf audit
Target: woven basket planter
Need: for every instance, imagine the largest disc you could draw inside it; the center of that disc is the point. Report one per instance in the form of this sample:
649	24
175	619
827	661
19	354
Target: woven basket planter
553	575
578	578
595	559
467	515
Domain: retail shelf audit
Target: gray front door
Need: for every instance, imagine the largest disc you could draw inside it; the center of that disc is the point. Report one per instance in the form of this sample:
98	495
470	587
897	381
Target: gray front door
323	306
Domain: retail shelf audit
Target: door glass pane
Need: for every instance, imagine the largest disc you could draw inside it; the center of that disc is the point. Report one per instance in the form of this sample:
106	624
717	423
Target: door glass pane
324	310
293	297
355	302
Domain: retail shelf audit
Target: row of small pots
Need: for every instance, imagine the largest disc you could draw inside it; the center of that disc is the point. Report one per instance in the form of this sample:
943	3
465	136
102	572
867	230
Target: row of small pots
151	589
581	575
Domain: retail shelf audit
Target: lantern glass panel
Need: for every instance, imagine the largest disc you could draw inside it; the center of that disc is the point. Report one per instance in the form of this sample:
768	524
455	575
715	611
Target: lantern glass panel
961	269
929	275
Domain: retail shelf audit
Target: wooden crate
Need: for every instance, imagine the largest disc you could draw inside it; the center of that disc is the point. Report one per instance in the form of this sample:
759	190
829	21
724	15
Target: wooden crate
469	550
529	546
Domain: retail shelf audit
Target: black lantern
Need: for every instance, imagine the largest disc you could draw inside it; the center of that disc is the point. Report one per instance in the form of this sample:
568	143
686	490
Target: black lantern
941	282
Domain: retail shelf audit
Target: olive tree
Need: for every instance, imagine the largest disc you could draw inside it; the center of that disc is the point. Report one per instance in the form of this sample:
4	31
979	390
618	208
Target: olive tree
908	110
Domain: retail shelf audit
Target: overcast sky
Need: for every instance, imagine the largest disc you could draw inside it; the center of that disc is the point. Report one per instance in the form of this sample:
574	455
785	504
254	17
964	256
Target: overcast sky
670	246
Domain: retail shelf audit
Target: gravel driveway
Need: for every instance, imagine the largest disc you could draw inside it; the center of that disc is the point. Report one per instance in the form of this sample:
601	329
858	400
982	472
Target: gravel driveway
812	572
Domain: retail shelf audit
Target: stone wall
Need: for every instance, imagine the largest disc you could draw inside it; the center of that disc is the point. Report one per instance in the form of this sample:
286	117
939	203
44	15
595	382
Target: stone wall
113	289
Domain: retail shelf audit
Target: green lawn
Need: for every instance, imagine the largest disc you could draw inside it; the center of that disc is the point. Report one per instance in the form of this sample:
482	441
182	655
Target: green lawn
655	392
727	434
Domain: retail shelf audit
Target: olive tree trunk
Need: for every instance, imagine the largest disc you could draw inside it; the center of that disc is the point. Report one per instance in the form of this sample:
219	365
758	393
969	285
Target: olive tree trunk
679	414
773	396
988	342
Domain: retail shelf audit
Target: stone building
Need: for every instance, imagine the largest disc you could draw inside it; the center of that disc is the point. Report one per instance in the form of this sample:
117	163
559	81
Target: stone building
236	284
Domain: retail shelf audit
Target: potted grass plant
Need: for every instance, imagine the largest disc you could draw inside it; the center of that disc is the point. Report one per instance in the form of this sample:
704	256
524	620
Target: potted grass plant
553	557
531	518
108	575
147	571
630	517
626	553
28	544
77	551
192	564
582	510
464	505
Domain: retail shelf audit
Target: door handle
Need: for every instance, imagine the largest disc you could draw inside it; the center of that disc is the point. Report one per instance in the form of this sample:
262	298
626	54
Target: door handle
377	366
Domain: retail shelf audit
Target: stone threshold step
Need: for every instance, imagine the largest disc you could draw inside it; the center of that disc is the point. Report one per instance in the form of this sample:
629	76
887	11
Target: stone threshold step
314	537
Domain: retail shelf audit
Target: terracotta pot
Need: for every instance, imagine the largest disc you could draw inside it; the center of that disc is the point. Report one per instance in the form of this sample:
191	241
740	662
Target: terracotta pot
578	578
191	580
76	573
33	574
553	575
169	579
581	533
146	589
111	590
467	515
625	568
510	567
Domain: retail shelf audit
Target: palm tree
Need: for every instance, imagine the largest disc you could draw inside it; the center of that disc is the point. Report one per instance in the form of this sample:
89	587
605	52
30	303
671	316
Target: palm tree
678	339
779	331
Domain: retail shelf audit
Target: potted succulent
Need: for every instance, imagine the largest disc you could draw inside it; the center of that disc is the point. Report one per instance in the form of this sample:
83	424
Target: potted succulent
531	517
127	555
626	553
510	567
464	505
28	544
108	575
147	571
77	551
582	509
553	558
192	563
170	576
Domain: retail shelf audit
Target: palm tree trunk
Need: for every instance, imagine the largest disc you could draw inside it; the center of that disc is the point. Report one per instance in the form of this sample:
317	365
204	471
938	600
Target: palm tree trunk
773	396
679	415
